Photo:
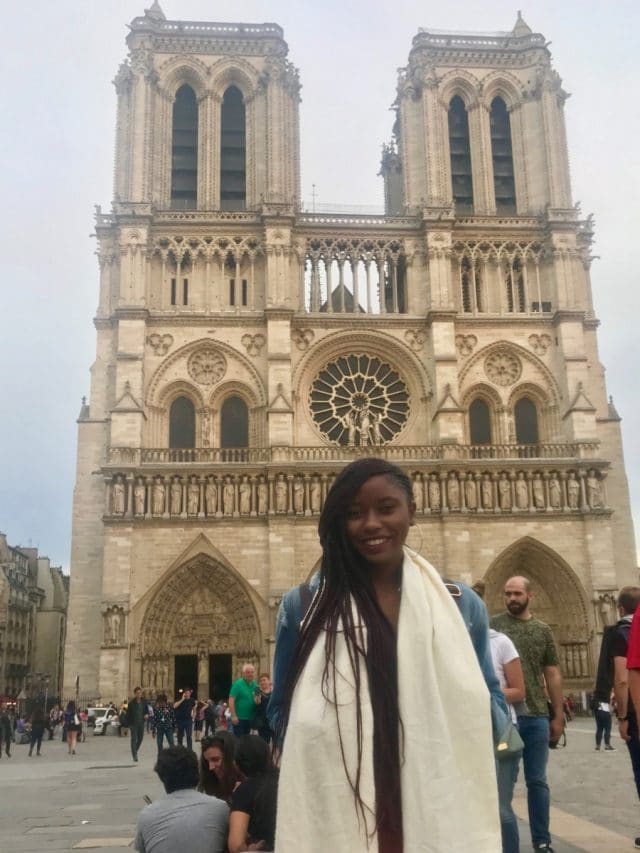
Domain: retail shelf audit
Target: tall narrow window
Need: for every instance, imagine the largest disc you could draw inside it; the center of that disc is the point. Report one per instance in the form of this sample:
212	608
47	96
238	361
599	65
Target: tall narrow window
182	423
526	418
514	285
234	423
466	279
502	156
460	152
479	422
184	150
233	144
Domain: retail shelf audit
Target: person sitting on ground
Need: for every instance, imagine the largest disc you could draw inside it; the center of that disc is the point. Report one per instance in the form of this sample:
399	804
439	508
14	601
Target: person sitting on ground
185	819
252	822
218	772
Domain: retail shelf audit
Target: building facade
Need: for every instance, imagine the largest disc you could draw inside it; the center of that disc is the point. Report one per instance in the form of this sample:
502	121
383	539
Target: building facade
247	350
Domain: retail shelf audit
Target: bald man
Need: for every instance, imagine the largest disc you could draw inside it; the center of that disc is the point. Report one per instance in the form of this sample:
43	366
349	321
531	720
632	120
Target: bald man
534	642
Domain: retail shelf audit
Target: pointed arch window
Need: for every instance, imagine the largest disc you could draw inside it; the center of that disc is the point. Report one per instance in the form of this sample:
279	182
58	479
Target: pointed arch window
460	155
233	151
234	423
526	419
514	284
479	422
182	424
502	157
184	150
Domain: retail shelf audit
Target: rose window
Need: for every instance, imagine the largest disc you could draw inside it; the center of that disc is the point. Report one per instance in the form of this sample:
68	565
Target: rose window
360	400
207	366
502	368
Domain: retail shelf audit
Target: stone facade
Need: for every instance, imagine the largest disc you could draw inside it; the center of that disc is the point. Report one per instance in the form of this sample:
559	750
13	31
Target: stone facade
246	351
33	609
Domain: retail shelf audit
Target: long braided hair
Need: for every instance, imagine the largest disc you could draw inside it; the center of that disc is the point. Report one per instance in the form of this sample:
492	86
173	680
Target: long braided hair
345	579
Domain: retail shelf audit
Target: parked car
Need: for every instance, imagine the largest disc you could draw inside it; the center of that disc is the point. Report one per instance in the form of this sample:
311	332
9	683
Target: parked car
95	713
109	718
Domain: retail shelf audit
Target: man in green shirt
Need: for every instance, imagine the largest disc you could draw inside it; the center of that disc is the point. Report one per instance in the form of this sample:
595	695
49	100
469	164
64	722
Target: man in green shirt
540	666
243	699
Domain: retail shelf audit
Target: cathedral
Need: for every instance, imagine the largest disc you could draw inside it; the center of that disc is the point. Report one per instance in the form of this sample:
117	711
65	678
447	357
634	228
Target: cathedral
247	350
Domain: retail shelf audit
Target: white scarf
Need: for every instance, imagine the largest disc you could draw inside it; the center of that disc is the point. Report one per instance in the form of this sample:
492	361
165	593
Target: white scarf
449	797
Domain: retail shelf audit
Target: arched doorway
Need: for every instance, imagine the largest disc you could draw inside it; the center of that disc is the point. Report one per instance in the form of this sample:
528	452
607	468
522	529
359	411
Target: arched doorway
559	600
197	630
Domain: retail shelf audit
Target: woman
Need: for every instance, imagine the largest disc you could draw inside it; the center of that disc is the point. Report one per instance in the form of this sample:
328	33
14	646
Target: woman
261	721
72	726
602	713
218	774
38	723
198	722
506	662
163	721
252	821
385	723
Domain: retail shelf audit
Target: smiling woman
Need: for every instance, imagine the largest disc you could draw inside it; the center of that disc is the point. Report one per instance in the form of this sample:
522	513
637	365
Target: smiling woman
365	757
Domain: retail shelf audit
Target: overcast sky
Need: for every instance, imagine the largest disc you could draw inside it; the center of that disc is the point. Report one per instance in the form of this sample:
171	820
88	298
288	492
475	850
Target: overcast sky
58	109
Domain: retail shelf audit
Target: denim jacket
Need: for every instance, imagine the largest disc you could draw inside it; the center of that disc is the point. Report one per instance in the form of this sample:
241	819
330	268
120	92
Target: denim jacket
475	618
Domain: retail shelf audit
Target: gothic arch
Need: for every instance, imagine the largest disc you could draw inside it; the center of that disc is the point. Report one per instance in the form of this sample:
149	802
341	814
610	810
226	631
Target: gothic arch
157	381
501	84
179	388
180	71
379	345
485	392
560	599
233	71
461	83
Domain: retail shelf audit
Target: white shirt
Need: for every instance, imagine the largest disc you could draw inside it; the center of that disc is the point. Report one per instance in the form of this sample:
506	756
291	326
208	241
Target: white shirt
502	652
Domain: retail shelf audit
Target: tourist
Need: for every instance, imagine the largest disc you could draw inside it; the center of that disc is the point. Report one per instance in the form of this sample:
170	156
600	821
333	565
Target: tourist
72	726
136	716
5	730
185	819
198	722
261	720
218	772
184	709
163	722
379	637
252	821
38	725
243	699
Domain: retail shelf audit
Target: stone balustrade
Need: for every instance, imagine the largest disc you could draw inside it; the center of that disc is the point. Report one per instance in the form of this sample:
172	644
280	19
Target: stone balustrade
440	487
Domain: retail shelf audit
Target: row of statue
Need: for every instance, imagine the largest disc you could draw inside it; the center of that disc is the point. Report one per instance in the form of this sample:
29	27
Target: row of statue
250	495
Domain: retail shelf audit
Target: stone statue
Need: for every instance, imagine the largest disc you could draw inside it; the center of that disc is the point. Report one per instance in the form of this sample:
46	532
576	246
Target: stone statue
164	670
470	492
211	496
538	492
350	423
113	624
175	493
263	496
375	429
206	426
504	491
453	491
117	496
487	492
228	496
298	495
315	495
139	496
193	497
522	492
365	426
244	490
158	497
281	494
573	491
555	493
594	495
418	492
434	493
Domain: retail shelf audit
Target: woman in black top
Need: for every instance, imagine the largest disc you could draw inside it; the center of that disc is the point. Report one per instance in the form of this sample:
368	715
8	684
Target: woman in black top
218	773
252	821
37	730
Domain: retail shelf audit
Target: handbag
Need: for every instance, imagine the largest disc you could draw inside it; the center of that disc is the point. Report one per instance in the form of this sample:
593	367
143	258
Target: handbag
76	720
509	743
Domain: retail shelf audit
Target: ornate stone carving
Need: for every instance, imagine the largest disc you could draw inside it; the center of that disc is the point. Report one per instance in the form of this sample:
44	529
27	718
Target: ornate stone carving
594	491
207	366
160	344
158	497
302	338
139	495
113	619
415	338
539	343
465	344
193	496
211	496
253	343
118	496
359	400
573	491
503	368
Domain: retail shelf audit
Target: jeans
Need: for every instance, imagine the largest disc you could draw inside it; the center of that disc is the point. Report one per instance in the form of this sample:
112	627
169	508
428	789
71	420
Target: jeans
36	738
185	728
633	745
137	734
534	731
507	773
242	728
603	727
161	735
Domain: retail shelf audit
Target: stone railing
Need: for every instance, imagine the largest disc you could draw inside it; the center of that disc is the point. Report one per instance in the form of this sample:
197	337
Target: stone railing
160	456
440	487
